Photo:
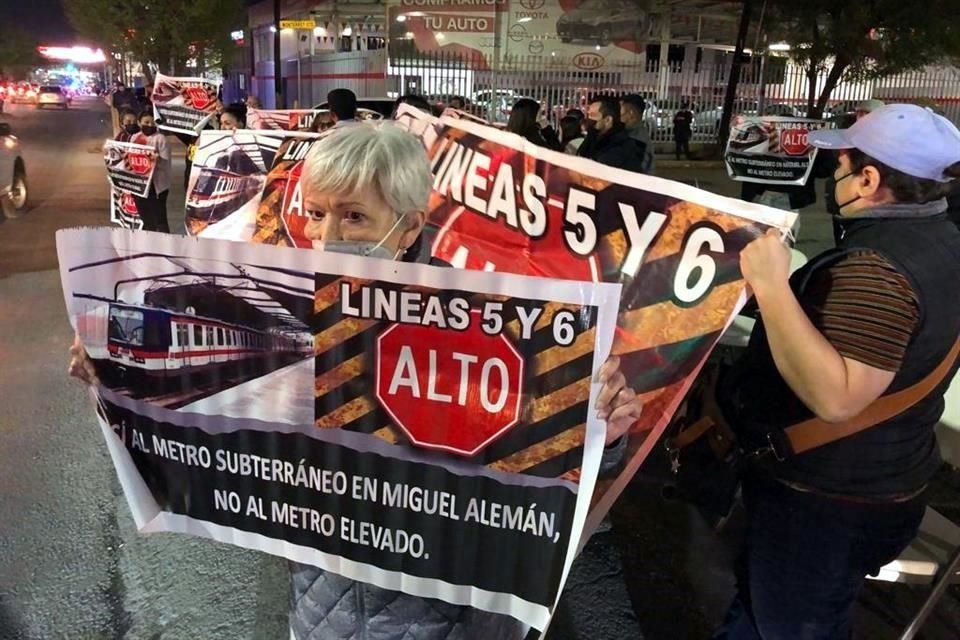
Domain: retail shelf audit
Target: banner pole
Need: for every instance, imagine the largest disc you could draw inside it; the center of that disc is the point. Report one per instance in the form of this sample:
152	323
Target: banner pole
280	100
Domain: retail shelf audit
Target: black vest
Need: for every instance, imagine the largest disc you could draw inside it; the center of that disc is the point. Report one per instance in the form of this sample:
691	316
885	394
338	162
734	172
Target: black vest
901	454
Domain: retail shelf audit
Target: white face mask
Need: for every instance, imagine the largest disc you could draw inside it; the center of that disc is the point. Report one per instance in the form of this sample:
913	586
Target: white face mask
361	248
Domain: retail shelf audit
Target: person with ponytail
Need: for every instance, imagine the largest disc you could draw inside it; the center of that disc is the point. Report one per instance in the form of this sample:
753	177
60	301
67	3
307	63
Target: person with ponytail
875	316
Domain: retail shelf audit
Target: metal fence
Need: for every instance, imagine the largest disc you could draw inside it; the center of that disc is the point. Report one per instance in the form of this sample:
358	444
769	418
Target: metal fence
770	85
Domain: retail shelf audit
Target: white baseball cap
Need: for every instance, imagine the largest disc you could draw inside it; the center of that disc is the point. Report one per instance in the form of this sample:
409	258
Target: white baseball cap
911	139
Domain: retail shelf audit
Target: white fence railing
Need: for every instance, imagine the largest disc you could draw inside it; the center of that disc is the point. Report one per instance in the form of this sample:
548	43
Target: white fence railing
772	86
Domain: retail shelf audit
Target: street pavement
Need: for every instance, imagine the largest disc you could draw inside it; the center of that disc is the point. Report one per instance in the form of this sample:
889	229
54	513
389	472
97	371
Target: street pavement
73	566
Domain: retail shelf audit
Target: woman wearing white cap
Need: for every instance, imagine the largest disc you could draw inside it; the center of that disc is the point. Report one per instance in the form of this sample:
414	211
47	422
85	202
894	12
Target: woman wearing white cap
864	108
866	320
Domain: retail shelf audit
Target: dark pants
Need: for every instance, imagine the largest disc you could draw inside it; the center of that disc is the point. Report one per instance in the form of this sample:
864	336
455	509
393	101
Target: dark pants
683	146
153	211
805	561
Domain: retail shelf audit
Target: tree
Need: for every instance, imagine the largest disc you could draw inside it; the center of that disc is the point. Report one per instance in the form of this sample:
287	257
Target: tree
866	39
18	53
160	34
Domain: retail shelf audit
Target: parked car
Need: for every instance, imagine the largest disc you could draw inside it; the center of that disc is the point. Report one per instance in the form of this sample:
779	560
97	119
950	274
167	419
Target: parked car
495	105
603	22
442	101
784	110
52	96
23	93
13	174
369	108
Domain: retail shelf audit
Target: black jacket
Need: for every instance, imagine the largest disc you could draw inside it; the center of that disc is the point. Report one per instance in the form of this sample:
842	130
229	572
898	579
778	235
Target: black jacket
614	149
900	455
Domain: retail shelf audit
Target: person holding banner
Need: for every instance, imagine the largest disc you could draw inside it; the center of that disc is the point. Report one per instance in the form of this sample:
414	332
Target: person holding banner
128	126
366	189
840	388
153	208
343	107
233	117
528	121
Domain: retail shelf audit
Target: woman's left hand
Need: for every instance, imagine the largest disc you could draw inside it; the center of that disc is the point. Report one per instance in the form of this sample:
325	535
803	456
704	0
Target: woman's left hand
617	403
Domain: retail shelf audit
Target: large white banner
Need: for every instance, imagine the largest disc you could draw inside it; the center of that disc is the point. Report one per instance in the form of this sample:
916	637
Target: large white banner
362	423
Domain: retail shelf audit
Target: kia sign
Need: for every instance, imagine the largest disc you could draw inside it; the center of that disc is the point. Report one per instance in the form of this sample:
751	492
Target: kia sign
453	395
588	61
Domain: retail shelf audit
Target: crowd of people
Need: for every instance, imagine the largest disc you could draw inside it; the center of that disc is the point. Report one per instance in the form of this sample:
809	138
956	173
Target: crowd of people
858	323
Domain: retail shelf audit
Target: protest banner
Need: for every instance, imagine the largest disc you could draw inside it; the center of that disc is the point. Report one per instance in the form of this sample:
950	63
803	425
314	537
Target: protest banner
184	105
283	119
123	210
374	424
228	175
501	204
130	166
771	150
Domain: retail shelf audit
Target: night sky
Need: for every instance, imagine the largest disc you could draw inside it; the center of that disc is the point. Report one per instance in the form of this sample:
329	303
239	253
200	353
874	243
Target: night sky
44	19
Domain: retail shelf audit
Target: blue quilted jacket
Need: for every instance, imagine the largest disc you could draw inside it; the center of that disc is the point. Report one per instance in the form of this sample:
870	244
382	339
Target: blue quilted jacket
326	606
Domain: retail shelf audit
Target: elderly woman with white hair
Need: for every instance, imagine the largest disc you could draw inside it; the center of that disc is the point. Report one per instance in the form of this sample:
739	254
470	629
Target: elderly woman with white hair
366	189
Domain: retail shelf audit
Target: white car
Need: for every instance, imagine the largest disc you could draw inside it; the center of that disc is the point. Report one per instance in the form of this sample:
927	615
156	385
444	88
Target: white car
13	174
494	104
52	96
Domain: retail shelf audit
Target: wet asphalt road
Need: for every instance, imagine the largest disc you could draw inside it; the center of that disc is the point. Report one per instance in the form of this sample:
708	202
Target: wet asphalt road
71	563
73	567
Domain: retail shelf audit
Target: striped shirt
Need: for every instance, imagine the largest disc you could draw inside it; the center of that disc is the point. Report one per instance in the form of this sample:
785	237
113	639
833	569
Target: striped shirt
865	308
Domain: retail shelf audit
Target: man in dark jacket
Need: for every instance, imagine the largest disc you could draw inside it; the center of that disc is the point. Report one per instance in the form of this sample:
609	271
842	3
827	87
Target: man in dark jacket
683	130
632	107
607	141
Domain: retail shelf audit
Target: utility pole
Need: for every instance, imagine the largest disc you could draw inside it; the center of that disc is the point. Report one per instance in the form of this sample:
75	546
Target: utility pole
279	94
734	78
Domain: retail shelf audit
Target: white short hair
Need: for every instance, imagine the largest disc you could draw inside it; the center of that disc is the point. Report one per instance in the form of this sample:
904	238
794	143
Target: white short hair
380	155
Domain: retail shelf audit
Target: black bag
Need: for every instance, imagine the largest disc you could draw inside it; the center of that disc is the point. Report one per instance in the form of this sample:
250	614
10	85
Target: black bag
708	462
705	459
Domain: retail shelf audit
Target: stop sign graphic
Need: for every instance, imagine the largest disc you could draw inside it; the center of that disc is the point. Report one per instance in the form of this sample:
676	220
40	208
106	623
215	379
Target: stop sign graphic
456	394
139	163
794	141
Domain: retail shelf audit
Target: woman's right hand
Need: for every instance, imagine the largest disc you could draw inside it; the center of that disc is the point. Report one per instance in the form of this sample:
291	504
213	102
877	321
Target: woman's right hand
81	366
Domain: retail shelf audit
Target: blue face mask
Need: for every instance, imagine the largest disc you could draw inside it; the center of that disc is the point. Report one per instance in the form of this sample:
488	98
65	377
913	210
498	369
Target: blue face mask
362	248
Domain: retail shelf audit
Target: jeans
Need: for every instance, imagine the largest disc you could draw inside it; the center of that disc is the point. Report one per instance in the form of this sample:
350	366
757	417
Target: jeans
683	146
805	560
153	211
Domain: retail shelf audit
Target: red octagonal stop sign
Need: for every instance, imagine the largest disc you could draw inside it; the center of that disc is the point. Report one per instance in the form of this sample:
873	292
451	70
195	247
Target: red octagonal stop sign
456	392
794	141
